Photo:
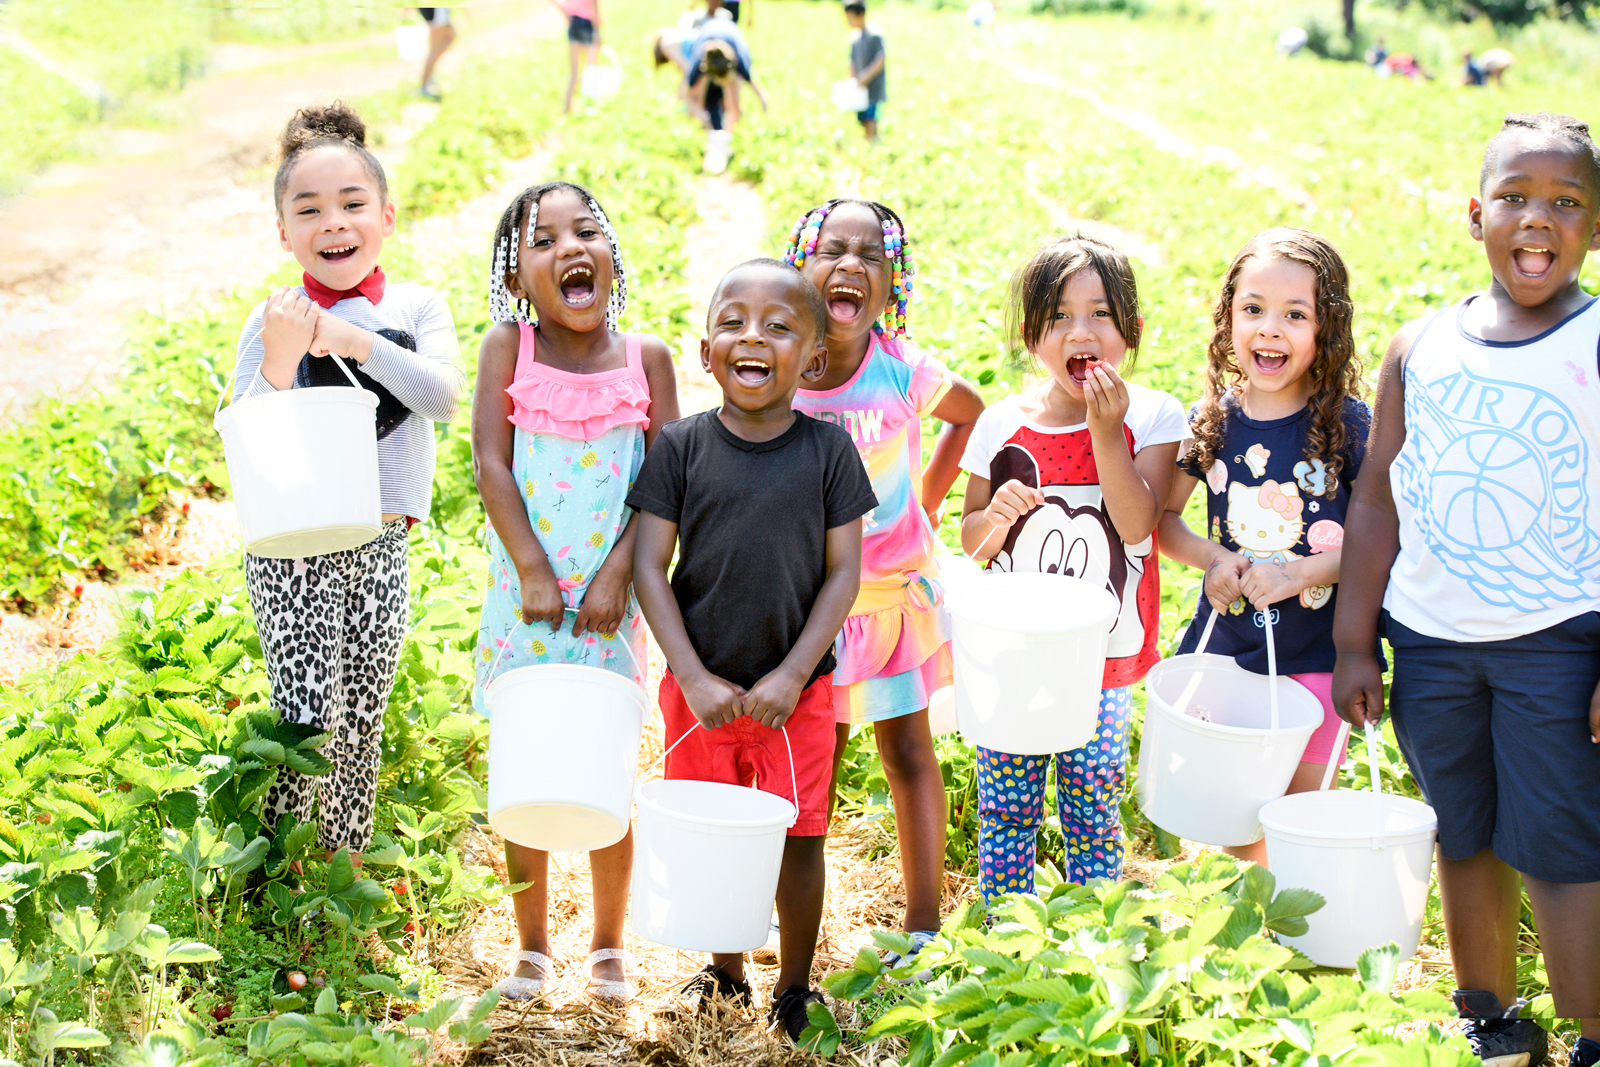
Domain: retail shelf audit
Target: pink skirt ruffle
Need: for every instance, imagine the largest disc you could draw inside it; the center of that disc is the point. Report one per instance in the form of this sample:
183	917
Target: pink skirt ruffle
890	661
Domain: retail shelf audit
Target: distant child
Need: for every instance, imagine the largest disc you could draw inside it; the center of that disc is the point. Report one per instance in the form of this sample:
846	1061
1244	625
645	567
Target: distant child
718	61
1070	477
441	35
867	59
332	626
1279	436
564	411
1474	532
895	649
583	41
764	507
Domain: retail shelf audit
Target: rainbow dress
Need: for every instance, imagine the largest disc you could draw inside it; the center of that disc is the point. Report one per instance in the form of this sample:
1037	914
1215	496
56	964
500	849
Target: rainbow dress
576	449
894	651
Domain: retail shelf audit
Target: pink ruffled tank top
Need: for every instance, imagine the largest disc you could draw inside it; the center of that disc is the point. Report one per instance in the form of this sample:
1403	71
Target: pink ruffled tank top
579	407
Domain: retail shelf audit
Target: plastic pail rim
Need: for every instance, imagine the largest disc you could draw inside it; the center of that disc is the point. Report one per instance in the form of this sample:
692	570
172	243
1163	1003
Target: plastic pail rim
1178	664
563	671
1277	818
1000	601
714	823
320	394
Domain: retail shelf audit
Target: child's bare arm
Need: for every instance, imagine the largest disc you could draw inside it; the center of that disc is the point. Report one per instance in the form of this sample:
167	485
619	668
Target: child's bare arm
1372	533
1134	488
492	436
958	409
871	70
713	700
1223	569
984	514
772	699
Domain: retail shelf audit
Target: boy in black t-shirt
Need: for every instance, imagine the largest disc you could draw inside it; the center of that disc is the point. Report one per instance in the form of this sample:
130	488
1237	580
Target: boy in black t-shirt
765	507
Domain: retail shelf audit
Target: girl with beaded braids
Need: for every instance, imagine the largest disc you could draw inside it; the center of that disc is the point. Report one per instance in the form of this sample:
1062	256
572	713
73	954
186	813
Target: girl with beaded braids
894	651
564	409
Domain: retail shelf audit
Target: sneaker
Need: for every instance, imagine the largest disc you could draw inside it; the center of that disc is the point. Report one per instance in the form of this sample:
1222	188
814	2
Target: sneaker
789	1010
710	985
1498	1037
1586	1053
767	954
430	92
919	941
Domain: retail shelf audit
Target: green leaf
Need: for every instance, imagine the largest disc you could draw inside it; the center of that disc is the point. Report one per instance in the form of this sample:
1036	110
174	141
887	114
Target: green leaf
327	1002
192	952
897	1020
964	995
435	1016
77	1035
1378	966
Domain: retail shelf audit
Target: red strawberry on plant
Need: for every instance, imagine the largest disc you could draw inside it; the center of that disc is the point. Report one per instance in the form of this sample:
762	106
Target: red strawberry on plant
222	1012
296	980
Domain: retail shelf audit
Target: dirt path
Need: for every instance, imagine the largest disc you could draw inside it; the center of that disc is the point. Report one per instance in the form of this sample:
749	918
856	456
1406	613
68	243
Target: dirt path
730	227
175	217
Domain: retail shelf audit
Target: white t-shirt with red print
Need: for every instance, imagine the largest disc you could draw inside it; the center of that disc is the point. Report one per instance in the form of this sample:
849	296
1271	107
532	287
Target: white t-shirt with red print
1071	533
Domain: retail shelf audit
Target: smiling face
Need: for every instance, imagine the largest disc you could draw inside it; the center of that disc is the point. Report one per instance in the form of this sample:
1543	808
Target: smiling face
1536	216
565	270
1275	326
763	338
1082	330
852	271
333	217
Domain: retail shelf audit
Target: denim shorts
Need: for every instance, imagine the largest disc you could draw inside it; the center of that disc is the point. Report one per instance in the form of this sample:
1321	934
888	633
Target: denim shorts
869	115
580	30
1497	734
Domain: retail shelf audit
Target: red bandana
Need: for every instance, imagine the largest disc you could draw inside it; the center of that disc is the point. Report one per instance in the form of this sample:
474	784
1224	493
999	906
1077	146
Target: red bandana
371	287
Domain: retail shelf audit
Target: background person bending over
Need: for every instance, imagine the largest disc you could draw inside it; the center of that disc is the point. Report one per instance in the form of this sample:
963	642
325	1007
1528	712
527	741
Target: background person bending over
718	61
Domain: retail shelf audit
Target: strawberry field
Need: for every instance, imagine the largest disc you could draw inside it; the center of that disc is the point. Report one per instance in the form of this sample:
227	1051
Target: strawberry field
147	915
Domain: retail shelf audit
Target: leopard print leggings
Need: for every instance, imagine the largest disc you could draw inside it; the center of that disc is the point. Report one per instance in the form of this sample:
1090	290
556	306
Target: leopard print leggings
331	630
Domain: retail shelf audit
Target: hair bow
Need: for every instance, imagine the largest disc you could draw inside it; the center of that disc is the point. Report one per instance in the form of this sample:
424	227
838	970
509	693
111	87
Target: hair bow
1286	504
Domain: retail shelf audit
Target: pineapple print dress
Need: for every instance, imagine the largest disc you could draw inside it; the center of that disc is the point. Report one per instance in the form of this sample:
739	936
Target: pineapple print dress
577	447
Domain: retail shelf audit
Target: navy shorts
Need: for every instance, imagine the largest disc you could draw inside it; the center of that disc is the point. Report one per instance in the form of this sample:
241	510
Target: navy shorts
869	115
435	16
1497	734
580	30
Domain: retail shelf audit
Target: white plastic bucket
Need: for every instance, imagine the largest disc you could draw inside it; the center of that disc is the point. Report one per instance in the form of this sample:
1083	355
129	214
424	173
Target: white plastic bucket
1209	757
954	571
411	41
1029	653
848	95
1368	855
563	750
705	864
303	464
602	80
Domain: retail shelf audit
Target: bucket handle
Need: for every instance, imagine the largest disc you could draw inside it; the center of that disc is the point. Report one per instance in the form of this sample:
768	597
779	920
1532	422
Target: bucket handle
1038	477
224	394
794	782
1380	840
1333	760
1272	665
643	675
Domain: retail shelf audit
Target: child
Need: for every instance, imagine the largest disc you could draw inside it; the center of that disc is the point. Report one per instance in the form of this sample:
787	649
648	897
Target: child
895	648
1070	477
332	626
564	410
1473	532
867	58
1279	436
718	60
765	508
441	34
583	36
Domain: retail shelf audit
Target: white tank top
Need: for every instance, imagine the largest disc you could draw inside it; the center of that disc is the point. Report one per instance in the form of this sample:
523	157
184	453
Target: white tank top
1498	486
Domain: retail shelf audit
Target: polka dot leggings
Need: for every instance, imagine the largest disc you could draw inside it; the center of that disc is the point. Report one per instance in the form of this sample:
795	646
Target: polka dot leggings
1089	790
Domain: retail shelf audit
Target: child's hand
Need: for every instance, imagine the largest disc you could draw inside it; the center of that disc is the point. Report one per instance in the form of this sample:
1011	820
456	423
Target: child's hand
287	327
541	600
1269	582
714	701
605	602
1010	502
1224	580
1106	395
335	336
772	700
1358	689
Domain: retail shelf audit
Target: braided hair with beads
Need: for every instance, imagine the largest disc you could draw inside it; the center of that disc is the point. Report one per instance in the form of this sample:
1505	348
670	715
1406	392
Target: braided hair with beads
803	243
510	235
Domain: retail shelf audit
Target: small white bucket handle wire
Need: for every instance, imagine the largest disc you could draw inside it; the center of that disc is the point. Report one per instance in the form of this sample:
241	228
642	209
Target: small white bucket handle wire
223	396
794	782
1272	665
623	643
1380	839
1037	476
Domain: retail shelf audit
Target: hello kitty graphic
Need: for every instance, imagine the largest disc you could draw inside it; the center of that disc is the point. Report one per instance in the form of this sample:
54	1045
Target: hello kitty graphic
1266	522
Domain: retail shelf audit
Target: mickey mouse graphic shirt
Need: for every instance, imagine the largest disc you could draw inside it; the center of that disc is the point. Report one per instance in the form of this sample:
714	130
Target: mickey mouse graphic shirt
1270	503
1071	533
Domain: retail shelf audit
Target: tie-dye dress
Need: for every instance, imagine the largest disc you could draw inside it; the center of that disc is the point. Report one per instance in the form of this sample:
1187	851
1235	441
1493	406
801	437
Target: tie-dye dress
894	650
577	446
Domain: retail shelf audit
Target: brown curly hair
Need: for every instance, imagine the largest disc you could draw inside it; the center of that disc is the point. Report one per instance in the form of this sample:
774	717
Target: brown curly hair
1336	371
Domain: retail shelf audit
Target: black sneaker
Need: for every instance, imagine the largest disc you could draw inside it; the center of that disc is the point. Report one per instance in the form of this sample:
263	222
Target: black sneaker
1497	1036
1586	1053
710	985
789	1010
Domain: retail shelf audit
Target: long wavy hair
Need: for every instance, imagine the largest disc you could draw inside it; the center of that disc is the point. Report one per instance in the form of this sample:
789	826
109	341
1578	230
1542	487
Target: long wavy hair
1336	371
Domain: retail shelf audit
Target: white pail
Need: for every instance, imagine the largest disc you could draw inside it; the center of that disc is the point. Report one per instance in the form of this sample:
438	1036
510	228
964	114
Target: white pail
1029	652
563	750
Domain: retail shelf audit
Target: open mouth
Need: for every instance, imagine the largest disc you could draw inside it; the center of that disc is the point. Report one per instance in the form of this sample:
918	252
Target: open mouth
1532	262
845	301
338	255
1268	361
1079	366
577	285
750	371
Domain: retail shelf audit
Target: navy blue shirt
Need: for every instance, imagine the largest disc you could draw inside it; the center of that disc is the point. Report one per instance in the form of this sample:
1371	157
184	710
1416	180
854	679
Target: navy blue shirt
1268	502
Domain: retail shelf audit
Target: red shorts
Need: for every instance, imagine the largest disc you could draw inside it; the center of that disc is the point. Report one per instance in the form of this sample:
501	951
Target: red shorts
743	752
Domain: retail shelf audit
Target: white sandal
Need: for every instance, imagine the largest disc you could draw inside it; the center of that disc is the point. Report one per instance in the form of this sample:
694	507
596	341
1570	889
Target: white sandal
515	987
607	989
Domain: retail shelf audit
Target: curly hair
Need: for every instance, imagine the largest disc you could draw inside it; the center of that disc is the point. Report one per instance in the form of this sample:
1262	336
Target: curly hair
315	127
1336	370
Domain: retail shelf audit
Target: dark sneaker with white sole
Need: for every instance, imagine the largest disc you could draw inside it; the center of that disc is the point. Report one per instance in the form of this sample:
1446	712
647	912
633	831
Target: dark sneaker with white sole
710	985
919	941
1586	1053
789	1010
1496	1035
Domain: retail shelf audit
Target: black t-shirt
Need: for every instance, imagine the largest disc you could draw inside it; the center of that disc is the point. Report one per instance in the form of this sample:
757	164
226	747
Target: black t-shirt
1266	501
752	523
